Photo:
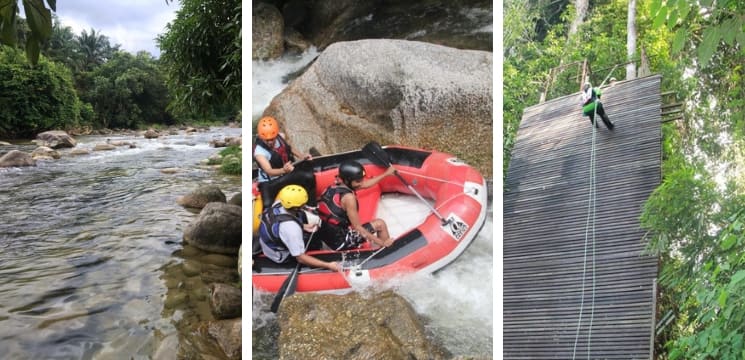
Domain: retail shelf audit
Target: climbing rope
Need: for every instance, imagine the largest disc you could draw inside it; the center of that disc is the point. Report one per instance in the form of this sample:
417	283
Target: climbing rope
589	230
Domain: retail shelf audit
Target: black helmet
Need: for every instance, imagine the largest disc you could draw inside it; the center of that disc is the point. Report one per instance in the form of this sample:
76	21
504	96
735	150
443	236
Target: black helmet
351	170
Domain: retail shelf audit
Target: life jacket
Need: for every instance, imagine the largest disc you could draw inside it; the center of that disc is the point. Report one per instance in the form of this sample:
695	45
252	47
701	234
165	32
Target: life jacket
589	105
280	155
269	227
330	209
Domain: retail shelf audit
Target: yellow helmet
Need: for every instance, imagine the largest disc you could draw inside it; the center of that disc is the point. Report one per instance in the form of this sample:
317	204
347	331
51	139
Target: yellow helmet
292	196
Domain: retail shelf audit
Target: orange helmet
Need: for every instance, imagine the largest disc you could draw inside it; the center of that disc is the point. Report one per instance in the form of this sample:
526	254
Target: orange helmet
268	129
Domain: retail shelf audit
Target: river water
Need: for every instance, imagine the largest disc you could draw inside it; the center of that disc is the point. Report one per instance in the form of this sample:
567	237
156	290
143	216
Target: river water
91	259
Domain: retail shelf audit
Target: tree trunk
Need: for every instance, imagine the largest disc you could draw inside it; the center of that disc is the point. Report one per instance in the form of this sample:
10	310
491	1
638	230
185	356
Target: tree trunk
581	6
631	41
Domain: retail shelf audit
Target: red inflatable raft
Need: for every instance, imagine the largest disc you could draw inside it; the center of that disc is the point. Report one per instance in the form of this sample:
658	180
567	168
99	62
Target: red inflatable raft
430	231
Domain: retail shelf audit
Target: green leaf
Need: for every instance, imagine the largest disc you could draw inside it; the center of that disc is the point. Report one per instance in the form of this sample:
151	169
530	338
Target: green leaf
683	9
672	18
722	298
736	278
655	6
660	18
728	241
39	18
708	45
729	29
740	36
8	10
679	41
32	48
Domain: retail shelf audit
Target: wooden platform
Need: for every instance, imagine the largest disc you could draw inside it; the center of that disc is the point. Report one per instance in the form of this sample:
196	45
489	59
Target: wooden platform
545	225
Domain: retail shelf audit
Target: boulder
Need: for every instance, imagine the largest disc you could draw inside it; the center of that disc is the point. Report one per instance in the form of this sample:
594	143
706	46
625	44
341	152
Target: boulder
266	32
104	147
76	152
327	20
236	199
4	143
201	196
225	301
122	143
43	151
16	158
216	229
151	134
171	170
55	139
226	333
353	326
395	92
294	41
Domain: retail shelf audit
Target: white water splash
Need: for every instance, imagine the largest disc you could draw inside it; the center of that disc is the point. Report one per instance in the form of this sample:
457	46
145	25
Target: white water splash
268	78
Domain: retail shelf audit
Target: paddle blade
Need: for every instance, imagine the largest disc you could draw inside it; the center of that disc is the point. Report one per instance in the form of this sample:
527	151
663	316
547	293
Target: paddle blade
290	283
375	153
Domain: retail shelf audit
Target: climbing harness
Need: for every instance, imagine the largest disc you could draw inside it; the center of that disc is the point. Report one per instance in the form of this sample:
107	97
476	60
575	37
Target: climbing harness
589	230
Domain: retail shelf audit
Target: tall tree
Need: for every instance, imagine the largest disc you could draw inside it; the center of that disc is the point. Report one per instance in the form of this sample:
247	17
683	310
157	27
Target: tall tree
581	7
201	53
94	48
62	46
631	40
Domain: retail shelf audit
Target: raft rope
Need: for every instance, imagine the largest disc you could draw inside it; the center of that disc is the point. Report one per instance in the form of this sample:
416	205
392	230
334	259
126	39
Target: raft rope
442	203
590	222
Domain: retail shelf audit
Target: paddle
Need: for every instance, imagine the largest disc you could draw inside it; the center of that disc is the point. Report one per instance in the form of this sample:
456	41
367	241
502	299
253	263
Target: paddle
288	287
375	153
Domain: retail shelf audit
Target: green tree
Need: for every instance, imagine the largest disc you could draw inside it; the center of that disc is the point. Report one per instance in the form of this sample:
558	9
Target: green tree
95	49
127	91
35	99
201	52
701	242
39	20
63	47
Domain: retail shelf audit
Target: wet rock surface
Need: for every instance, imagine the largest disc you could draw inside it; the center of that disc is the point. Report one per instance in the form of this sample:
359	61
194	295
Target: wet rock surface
353	326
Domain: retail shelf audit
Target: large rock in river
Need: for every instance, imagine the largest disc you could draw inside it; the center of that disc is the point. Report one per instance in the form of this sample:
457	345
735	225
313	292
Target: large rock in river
394	92
15	158
216	229
351	326
55	139
202	196
266	32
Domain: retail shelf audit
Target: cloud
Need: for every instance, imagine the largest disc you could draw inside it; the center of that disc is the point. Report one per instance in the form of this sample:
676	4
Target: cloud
133	24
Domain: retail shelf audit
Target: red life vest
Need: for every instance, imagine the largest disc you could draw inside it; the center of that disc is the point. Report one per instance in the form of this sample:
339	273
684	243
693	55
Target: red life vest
330	209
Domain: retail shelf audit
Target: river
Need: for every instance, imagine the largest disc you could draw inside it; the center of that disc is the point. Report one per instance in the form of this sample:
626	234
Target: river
91	258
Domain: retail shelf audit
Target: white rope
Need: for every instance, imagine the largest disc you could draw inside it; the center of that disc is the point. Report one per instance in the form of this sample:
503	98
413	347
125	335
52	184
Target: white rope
590	222
413	174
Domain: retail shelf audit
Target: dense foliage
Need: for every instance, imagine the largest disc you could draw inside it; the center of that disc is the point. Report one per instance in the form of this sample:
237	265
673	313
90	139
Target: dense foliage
201	54
694	219
34	99
232	160
105	87
127	91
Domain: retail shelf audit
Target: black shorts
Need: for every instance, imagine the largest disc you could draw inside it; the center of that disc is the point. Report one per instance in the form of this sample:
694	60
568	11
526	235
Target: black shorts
344	238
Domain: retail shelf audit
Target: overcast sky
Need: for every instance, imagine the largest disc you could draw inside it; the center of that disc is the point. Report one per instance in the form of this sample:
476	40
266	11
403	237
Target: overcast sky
134	24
